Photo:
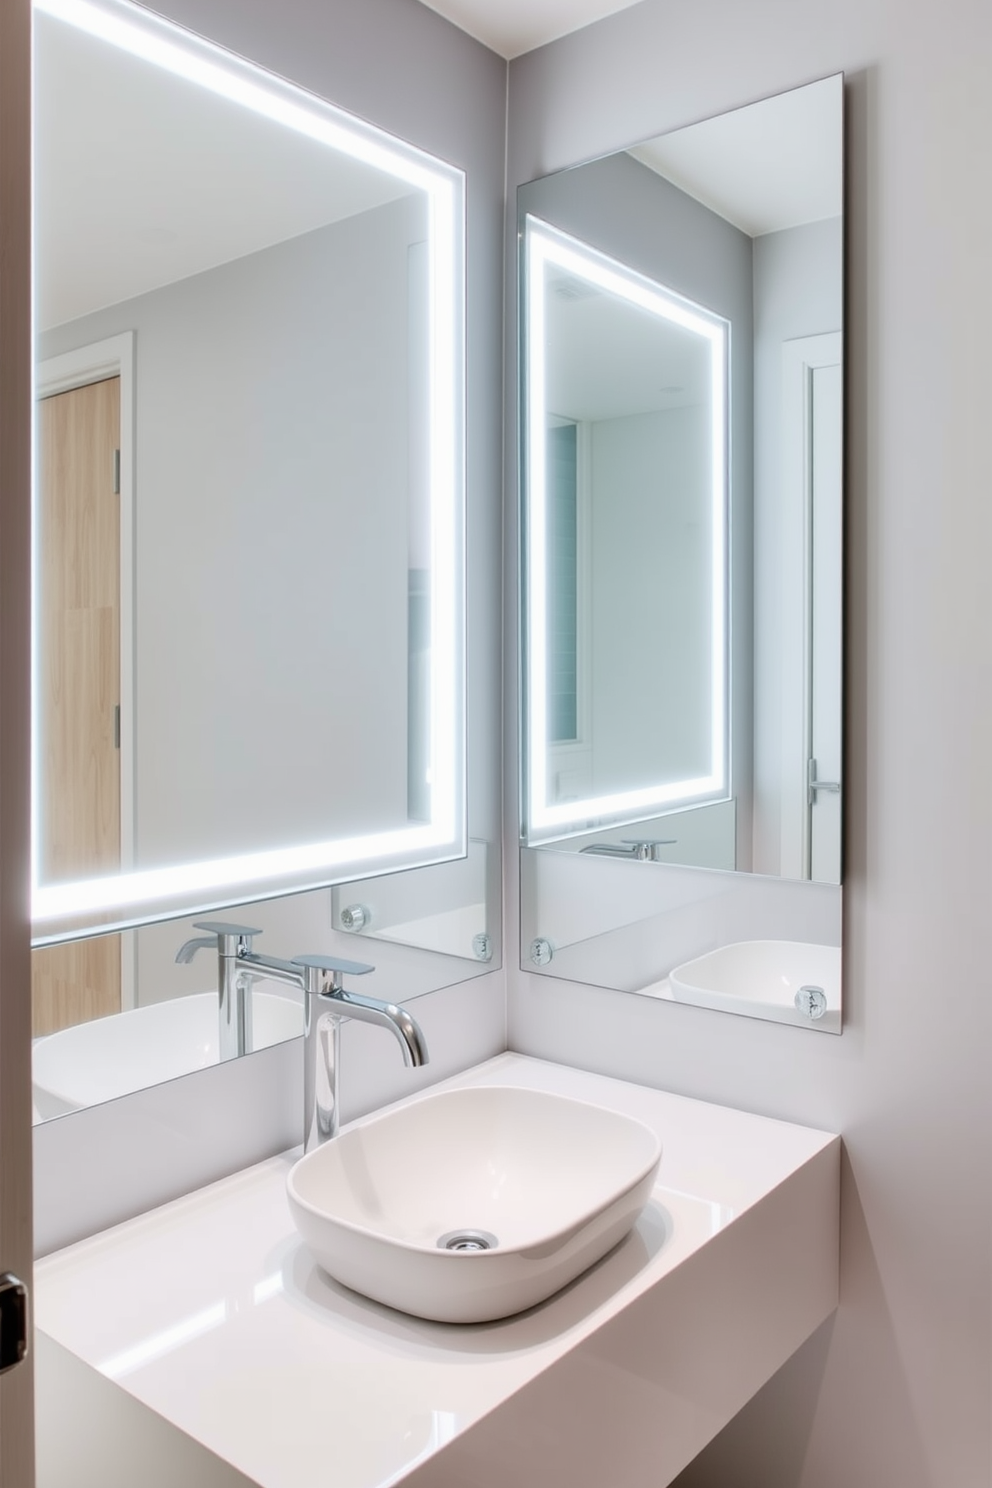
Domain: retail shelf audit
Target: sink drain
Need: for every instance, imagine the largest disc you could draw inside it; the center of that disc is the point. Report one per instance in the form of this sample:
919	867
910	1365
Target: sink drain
467	1240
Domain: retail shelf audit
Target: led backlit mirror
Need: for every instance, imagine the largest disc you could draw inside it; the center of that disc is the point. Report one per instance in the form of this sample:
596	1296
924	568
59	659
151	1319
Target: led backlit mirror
626	541
249	495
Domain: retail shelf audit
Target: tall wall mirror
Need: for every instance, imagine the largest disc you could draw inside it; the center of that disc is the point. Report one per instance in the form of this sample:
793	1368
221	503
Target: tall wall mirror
249	525
681	324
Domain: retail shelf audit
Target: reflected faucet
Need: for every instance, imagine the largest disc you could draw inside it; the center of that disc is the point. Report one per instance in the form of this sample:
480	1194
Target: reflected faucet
642	849
232	943
326	1005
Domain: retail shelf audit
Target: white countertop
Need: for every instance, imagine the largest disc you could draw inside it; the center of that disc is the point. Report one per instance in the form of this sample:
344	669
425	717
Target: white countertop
223	1324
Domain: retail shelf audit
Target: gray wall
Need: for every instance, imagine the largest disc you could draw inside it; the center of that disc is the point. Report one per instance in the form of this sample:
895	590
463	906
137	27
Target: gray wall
651	561
895	1389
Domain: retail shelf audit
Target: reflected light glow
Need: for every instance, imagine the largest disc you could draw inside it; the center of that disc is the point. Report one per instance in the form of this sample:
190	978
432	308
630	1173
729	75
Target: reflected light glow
546	247
165	1341
167	46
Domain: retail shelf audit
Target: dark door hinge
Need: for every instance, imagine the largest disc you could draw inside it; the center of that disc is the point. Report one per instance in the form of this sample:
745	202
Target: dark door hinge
13	1321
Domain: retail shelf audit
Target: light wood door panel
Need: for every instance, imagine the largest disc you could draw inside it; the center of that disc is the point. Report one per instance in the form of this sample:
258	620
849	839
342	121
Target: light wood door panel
78	539
74	982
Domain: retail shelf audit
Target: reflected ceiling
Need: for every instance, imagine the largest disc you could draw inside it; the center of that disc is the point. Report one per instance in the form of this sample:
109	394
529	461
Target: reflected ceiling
511	27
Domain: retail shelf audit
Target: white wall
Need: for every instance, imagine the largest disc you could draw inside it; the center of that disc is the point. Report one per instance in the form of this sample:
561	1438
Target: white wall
895	1390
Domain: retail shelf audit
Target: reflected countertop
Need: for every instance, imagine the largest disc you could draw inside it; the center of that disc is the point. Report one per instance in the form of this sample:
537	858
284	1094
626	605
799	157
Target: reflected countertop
222	1323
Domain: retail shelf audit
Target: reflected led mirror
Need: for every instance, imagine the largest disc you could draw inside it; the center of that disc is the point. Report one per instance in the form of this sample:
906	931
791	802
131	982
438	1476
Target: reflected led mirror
249	615
681	459
626	541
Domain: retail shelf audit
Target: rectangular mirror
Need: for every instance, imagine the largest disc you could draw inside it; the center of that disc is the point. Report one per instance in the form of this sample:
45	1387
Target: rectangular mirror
681	322
249	624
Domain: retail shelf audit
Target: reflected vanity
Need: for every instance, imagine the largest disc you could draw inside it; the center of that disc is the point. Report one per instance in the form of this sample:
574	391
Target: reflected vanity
249	535
681	309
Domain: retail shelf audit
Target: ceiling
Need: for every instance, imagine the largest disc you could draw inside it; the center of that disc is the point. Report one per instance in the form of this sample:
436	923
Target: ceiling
511	27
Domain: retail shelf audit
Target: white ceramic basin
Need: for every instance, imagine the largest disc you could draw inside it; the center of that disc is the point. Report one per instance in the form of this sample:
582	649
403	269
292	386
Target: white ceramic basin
98	1061
762	978
550	1184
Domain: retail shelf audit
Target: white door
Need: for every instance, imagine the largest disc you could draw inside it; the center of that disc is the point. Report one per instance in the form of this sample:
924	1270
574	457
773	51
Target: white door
16	1382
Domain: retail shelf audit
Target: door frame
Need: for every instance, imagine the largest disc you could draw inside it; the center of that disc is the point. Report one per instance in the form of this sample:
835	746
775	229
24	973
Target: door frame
96	362
800	358
16	417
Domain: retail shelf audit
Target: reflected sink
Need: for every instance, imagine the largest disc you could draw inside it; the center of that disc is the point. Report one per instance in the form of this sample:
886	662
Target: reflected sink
473	1204
762	978
108	1057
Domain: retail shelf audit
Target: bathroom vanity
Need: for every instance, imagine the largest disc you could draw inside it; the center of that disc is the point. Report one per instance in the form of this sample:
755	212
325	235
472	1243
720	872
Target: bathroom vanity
200	1342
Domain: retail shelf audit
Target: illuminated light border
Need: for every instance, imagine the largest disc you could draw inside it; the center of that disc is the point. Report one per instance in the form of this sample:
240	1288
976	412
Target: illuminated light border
283	870
546	246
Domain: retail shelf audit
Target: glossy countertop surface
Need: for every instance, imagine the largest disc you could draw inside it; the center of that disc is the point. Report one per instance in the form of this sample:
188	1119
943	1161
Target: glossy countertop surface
212	1312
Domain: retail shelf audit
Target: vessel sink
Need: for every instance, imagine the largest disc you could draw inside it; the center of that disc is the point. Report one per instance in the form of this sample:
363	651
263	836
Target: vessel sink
473	1204
113	1056
764	978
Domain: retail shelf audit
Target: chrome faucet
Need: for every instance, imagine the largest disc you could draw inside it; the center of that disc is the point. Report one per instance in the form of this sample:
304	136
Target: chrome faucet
643	849
232	944
326	1005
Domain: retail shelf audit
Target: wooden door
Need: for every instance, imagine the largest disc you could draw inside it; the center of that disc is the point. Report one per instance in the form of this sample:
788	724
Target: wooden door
78	675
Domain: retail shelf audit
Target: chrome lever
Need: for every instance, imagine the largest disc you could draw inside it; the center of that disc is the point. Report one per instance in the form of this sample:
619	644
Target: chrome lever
813	785
641	849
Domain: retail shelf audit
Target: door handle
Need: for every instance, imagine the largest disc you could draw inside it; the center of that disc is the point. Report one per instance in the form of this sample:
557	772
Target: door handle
13	1321
813	784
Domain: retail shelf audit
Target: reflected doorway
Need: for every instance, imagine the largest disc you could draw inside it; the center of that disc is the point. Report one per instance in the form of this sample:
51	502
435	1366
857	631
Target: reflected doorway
78	710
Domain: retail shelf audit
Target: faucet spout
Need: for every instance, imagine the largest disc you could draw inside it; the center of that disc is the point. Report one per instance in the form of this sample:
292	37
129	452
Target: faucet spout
386	1015
189	948
326	1009
641	849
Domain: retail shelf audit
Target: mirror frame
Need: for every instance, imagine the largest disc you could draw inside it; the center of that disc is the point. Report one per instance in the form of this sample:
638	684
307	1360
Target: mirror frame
102	904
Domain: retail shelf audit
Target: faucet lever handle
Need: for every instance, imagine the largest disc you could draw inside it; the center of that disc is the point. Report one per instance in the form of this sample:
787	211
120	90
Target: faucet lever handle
224	927
220	930
337	965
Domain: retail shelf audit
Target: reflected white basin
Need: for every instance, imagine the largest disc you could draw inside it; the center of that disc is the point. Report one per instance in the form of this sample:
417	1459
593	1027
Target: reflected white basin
552	1183
761	978
109	1057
